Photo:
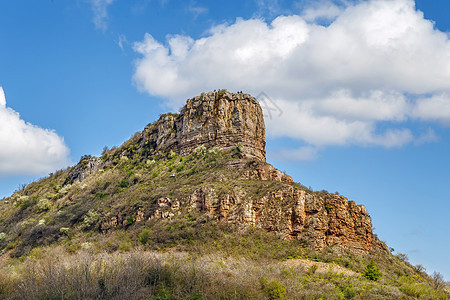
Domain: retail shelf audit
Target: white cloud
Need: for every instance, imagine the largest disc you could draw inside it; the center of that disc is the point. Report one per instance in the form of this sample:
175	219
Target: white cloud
100	10
196	10
122	39
335	83
26	148
2	98
374	106
434	108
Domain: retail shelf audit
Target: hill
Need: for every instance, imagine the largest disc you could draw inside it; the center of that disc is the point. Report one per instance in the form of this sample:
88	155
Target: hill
189	208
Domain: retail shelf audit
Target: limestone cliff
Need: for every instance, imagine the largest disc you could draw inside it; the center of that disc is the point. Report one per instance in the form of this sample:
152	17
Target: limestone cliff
215	119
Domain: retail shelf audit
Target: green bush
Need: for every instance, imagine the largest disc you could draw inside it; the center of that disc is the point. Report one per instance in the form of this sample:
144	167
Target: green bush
144	236
273	289
349	291
124	183
371	272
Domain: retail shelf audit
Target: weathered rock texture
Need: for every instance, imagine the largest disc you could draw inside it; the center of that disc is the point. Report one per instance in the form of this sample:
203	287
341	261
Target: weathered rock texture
87	165
318	221
215	119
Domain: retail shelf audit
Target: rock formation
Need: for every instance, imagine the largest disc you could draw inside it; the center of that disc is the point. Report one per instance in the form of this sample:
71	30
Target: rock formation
235	121
319	221
215	119
87	165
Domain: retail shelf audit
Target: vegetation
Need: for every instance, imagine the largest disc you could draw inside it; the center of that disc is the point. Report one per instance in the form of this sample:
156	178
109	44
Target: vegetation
372	272
90	240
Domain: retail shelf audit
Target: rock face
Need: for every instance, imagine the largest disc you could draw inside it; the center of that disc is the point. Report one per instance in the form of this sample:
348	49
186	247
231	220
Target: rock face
215	119
87	165
319	221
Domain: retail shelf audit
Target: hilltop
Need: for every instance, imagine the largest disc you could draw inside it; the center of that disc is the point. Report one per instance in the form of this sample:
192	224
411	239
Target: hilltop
189	197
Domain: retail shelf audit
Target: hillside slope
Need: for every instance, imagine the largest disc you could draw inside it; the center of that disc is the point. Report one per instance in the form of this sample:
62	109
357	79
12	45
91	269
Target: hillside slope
193	191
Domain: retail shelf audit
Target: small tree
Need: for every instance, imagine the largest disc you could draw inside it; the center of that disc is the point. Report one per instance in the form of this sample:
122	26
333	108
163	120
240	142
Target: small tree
438	280
372	273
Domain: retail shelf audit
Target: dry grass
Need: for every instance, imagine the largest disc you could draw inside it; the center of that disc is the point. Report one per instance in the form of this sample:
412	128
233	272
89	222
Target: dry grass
51	273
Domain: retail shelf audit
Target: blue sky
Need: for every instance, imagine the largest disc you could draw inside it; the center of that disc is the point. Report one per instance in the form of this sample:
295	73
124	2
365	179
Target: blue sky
363	88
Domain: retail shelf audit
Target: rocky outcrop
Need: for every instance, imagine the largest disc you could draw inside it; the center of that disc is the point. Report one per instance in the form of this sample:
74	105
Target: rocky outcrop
258	170
87	165
318	221
215	119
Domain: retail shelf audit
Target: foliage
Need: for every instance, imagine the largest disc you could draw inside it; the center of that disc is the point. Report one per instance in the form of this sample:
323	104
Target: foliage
372	272
222	93
273	289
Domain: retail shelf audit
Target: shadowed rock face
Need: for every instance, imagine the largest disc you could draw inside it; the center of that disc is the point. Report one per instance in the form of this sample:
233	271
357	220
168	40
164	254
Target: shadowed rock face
214	119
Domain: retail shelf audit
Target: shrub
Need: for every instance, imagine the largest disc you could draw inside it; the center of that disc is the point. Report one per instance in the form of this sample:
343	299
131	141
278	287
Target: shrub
438	280
90	219
222	92
273	289
402	256
44	205
372	272
101	195
124	183
144	236
349	291
312	270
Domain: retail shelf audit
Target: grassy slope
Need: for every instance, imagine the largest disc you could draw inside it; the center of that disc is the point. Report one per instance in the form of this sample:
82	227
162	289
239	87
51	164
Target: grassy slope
52	233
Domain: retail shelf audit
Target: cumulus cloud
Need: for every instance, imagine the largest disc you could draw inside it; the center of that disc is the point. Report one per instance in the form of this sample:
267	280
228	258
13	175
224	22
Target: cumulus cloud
375	62
100	10
25	148
434	108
